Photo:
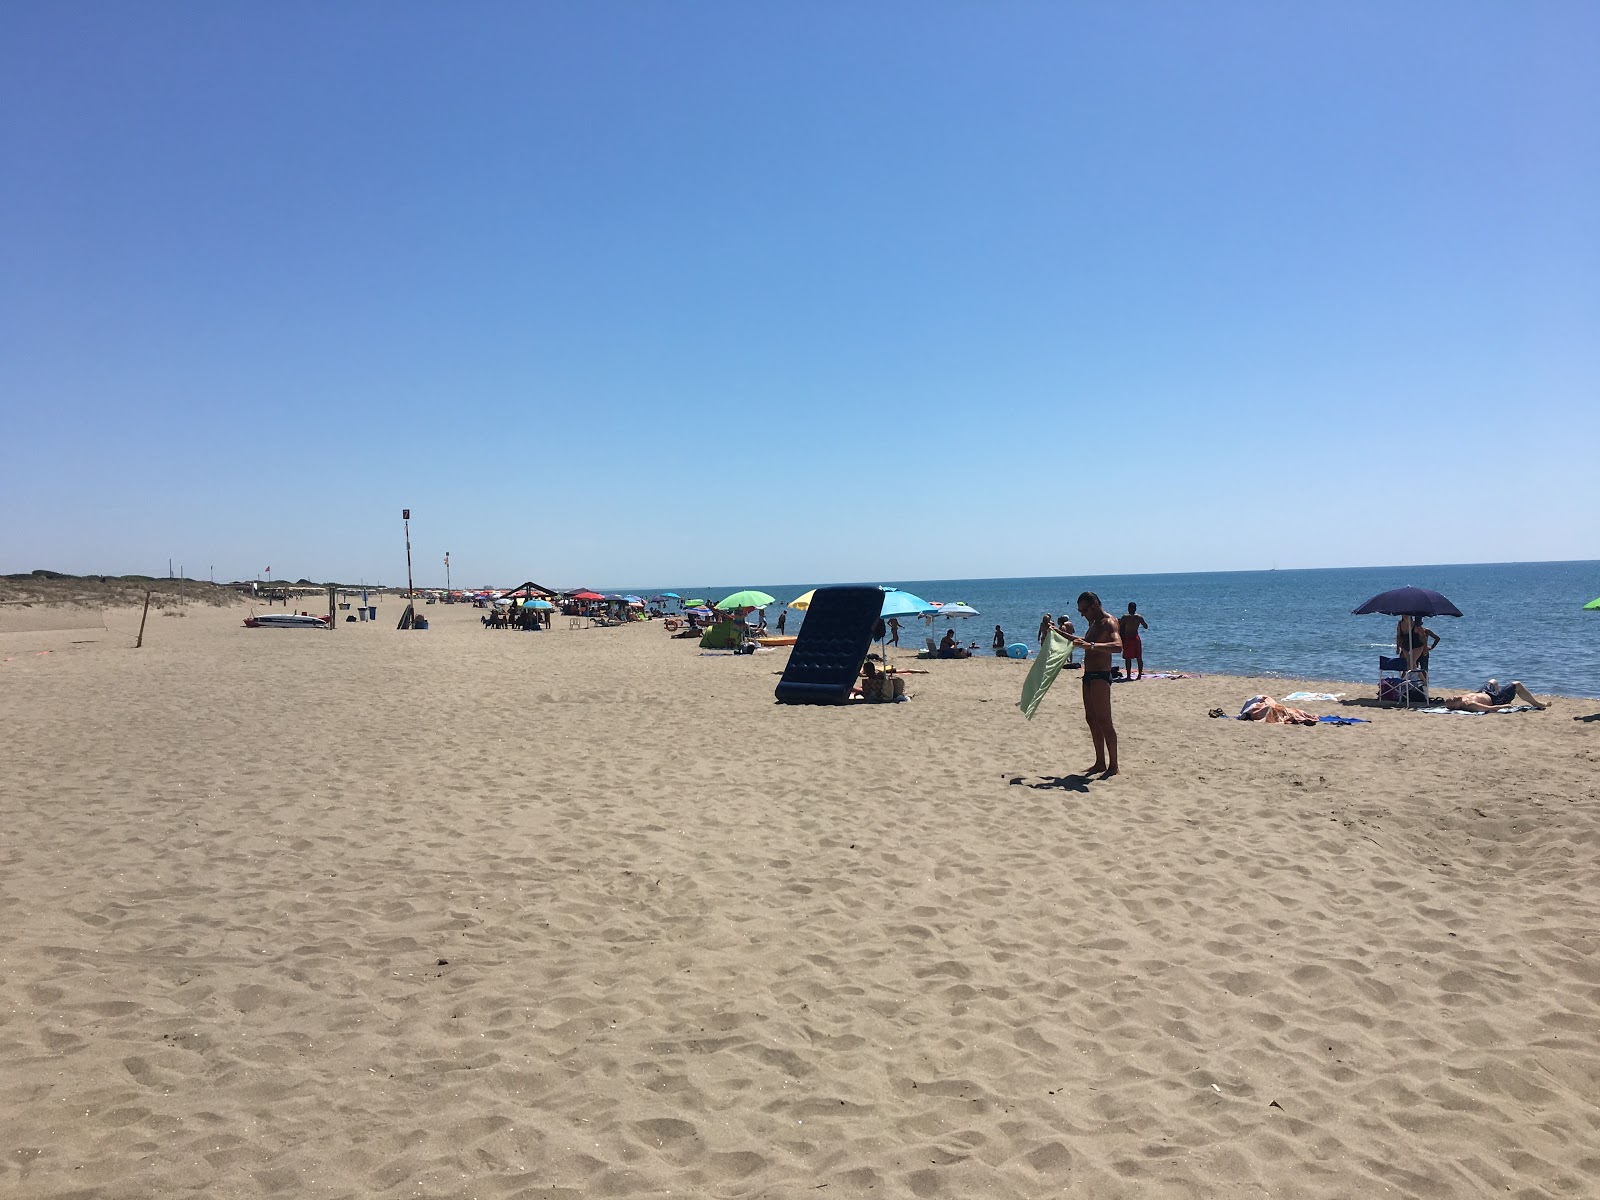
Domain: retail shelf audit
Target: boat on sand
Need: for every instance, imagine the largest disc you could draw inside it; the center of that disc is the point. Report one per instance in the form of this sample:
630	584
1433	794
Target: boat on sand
285	621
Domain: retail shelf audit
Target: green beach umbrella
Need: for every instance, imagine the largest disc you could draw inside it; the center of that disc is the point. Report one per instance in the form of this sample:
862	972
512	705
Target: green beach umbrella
745	599
1595	603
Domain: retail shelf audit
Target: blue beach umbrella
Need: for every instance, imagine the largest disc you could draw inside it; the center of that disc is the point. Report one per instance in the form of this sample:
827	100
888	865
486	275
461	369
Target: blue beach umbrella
903	604
1408	602
670	596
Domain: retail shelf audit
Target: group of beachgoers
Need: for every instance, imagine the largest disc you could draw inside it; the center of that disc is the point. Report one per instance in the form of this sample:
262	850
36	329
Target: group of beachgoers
1414	642
1106	637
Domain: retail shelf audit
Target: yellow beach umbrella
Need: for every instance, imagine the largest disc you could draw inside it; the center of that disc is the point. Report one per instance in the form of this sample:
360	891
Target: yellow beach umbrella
803	602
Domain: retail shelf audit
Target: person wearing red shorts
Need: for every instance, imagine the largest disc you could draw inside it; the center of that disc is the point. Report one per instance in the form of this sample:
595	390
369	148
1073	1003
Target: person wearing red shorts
1132	647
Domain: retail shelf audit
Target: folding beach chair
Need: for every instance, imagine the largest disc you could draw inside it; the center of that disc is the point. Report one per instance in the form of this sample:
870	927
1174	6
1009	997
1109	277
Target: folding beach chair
1399	686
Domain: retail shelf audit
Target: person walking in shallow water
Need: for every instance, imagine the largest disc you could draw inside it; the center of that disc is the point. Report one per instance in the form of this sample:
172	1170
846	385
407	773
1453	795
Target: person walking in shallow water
1101	643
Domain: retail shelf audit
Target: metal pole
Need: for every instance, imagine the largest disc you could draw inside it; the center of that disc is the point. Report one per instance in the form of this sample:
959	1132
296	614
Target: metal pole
411	596
447	576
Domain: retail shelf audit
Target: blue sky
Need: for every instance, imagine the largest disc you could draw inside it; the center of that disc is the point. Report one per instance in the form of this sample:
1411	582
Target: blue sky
731	292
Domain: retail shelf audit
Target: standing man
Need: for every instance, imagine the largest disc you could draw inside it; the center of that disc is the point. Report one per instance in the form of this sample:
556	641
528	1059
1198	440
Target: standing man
1045	626
894	631
1132	646
1100	643
1065	629
783	617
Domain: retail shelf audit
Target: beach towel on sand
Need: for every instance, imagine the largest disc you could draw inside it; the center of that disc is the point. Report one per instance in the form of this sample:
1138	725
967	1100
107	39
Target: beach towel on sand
1467	712
1053	652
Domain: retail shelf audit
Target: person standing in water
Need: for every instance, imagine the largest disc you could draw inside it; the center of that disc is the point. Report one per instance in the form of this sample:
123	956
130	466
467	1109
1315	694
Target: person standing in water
1101	643
1132	647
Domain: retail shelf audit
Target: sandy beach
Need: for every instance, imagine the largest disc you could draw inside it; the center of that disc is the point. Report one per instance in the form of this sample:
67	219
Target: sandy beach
584	913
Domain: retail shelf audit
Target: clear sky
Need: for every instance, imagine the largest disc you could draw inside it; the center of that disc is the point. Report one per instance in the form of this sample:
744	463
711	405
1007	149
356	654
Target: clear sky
738	292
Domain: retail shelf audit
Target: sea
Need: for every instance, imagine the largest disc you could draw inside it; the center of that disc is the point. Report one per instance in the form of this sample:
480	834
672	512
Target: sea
1519	620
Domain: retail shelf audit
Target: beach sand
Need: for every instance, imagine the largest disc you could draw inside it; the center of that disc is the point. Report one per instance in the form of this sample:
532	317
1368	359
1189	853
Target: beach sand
583	913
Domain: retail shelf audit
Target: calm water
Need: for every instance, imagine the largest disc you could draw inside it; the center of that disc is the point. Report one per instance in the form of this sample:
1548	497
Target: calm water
1522	620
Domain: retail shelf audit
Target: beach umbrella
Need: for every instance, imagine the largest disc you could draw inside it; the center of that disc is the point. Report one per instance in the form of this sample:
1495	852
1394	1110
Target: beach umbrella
586	595
745	599
948	610
694	603
669	596
1408	602
539	604
699	610
903	604
801	603
1595	603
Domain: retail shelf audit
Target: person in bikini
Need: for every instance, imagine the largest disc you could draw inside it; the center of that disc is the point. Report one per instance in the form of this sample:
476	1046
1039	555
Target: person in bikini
1101	642
1132	648
1423	642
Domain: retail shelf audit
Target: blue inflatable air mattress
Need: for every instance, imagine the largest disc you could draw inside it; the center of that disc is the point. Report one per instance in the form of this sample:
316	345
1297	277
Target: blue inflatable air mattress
831	646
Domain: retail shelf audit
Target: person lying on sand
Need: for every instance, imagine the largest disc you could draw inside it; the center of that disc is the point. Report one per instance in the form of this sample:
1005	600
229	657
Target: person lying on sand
1493	697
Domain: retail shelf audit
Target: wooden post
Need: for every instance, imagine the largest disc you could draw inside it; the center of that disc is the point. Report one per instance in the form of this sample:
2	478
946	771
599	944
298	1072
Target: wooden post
142	616
333	616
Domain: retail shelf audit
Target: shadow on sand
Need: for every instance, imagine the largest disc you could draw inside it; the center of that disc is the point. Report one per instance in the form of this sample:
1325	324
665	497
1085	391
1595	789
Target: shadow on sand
1590	717
1064	783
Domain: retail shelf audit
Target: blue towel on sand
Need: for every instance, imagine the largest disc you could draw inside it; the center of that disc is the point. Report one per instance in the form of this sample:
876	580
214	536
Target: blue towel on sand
1343	721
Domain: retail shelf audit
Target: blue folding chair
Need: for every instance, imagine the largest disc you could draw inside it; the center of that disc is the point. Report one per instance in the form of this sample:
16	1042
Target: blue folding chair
1399	685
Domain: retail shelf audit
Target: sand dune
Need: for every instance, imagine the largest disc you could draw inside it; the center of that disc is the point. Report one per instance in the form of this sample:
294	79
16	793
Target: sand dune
469	913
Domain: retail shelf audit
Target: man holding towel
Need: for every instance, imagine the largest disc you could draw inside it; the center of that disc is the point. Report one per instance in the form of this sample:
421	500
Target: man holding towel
1101	643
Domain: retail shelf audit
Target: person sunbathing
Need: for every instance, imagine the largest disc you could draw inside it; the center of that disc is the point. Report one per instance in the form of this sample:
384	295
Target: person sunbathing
1493	697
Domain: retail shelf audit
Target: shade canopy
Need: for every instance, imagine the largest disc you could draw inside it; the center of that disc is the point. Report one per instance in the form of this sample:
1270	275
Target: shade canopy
903	604
1409	602
745	599
801	603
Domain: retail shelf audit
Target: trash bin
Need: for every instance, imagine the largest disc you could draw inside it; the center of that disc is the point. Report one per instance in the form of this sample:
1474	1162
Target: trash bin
420	623
372	613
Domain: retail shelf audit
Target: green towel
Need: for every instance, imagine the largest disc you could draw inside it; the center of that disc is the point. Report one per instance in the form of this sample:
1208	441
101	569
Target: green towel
1052	653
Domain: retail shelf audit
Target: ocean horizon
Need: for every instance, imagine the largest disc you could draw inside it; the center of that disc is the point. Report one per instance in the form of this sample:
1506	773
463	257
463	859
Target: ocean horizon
1519	620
